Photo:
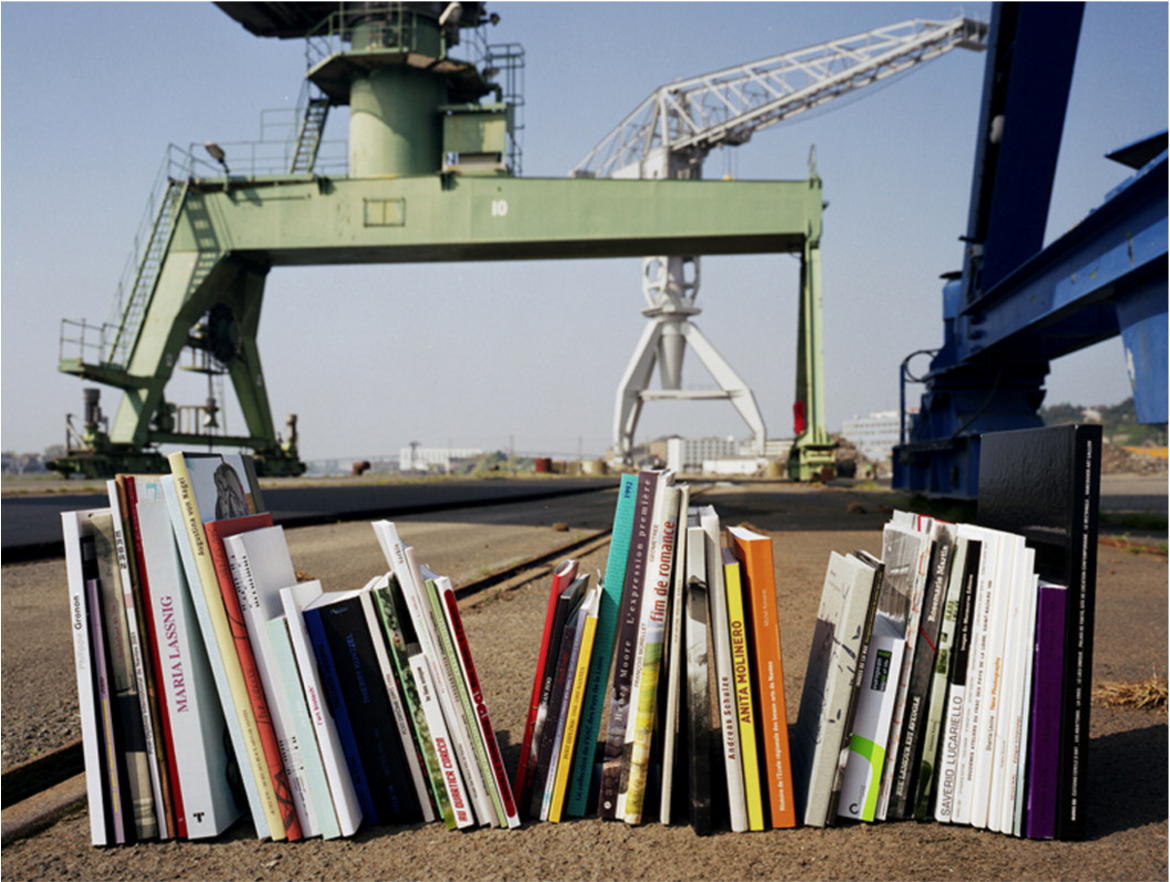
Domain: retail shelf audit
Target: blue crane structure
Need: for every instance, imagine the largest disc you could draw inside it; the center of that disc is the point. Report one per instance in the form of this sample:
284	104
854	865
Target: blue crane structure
1017	305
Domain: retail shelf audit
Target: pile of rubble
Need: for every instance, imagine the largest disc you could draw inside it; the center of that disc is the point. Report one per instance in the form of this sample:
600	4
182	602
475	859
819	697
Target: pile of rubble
1116	460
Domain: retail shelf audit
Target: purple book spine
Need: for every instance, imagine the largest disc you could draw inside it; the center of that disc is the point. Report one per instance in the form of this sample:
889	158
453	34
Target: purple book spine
1044	749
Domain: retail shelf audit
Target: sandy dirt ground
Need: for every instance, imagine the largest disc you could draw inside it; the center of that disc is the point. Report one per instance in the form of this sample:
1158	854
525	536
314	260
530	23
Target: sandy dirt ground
1127	787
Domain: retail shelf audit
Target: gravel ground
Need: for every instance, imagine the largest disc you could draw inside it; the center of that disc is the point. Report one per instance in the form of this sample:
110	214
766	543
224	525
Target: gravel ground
1127	789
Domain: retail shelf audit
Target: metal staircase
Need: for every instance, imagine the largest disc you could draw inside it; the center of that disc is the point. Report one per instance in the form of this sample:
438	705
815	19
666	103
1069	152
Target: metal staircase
133	307
309	136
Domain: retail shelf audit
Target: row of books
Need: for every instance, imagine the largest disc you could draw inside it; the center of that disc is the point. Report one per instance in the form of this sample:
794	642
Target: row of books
681	602
212	684
949	679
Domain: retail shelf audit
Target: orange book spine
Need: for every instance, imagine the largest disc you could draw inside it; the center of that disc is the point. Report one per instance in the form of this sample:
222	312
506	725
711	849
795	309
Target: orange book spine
755	553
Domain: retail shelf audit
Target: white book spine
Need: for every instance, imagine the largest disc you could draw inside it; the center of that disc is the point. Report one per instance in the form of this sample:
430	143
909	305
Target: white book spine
973	698
293	601
75	524
724	676
444	749
136	655
215	663
258	579
396	705
197	723
1022	651
411	581
289	683
1003	797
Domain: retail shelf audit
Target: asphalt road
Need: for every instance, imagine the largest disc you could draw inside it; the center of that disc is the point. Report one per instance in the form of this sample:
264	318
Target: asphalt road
31	525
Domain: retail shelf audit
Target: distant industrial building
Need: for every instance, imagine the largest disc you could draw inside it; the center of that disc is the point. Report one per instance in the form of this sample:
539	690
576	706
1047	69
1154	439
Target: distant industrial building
875	435
721	455
425	459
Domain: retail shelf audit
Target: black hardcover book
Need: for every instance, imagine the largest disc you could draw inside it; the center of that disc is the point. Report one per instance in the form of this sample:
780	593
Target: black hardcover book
700	735
623	652
375	731
1045	485
922	672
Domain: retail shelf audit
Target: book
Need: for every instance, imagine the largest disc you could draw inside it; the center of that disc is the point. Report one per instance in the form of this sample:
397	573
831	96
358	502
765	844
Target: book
626	646
346	656
1022	631
563	575
577	676
822	728
725	673
341	787
143	676
1046	700
288	684
197	479
134	486
75	527
560	655
397	704
402	643
950	747
480	715
744	699
180	526
461	805
584	764
906	764
648	655
217	531
123	680
699	730
260	566
674	660
1045	485
906	553
208	776
754	552
929	765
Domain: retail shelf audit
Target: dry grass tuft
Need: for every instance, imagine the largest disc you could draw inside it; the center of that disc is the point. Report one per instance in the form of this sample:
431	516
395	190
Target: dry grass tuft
1149	694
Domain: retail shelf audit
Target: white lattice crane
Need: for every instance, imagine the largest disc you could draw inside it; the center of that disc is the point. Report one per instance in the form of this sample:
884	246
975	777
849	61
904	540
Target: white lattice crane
670	134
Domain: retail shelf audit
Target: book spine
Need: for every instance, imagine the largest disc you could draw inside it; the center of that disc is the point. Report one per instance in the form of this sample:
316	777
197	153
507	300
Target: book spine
1012	818
1078	652
111	748
572	717
673	658
921	673
129	709
564	574
656	606
255	622
593	704
1017	645
327	667
547	753
253	758
135	626
444	748
392	624
724	672
698	700
744	703
566	699
626	646
269	742
288	678
1047	712
454	669
482	717
85	670
165	750
930	762
397	707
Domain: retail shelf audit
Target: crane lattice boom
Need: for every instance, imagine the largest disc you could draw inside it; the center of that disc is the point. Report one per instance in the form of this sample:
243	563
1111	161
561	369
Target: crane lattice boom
677	125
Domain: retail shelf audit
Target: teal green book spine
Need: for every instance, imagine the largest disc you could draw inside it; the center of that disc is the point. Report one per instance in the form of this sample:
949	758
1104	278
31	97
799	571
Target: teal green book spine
593	704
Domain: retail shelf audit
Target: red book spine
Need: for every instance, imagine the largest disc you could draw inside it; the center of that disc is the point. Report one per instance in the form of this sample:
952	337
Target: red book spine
480	706
216	532
158	705
562	576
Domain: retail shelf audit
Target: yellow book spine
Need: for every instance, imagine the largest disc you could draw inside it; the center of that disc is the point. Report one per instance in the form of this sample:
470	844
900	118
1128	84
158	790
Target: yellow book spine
743	692
226	646
569	742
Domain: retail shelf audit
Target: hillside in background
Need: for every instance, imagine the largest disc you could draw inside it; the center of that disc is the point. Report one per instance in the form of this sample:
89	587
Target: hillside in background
1119	422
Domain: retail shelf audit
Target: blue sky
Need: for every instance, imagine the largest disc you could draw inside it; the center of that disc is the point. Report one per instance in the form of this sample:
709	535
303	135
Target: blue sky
530	354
